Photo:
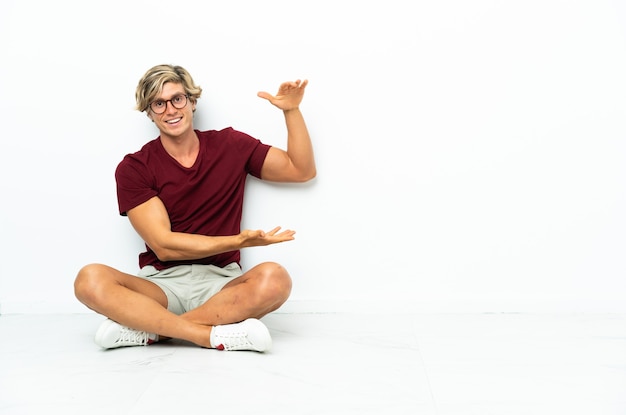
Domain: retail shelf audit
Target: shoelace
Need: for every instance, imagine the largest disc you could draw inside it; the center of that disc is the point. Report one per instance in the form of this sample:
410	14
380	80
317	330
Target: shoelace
234	341
132	336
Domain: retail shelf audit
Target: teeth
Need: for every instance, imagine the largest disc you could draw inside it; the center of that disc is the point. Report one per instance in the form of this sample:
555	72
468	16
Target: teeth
173	121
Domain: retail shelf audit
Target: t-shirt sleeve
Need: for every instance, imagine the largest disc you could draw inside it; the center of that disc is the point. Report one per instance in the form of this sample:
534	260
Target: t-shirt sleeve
134	185
255	148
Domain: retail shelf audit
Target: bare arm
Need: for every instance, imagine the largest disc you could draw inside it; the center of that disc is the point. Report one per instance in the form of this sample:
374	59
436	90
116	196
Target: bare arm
151	221
297	163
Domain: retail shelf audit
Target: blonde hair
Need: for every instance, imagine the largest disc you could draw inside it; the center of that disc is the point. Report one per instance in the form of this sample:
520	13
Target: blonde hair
151	84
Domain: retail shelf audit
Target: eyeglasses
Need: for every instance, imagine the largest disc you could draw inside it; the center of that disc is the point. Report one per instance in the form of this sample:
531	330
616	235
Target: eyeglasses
159	106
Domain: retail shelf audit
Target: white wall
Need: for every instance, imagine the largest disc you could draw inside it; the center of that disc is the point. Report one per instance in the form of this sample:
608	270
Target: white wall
471	154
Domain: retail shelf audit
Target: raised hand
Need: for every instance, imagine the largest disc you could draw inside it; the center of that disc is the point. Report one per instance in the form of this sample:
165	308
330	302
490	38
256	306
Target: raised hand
289	95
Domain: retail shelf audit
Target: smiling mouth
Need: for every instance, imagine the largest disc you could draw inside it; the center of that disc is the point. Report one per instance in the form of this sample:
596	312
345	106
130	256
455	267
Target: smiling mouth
174	121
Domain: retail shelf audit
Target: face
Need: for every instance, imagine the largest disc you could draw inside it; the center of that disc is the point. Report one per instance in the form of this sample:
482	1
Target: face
173	122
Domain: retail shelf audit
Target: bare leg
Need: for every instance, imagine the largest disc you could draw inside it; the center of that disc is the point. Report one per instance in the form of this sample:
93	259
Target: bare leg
138	303
134	302
256	293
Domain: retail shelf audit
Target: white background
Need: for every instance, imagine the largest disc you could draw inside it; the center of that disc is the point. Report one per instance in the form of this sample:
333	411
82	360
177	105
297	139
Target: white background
471	154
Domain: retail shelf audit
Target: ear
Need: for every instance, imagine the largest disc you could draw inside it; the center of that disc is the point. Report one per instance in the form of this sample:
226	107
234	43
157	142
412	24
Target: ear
149	116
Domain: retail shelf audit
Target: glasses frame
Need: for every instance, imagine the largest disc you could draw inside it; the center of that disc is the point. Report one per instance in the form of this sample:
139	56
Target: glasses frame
171	101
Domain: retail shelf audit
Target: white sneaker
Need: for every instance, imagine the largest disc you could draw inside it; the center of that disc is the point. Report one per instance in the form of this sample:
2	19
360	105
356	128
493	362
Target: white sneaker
250	334
111	335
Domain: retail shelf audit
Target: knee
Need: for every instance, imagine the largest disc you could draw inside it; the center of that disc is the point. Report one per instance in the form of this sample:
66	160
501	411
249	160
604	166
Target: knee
87	282
275	280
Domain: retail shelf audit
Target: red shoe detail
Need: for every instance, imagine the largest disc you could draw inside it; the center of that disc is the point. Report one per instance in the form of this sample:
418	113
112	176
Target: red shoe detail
220	347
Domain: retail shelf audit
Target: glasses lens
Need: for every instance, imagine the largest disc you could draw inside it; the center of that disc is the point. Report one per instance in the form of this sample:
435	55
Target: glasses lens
158	106
179	101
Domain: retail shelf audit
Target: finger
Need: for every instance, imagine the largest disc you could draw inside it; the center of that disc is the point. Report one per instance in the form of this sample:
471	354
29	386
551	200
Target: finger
273	231
299	83
285	87
288	234
285	236
265	95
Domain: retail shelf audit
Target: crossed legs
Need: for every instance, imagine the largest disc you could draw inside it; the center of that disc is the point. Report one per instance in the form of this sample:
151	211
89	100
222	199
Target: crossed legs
140	304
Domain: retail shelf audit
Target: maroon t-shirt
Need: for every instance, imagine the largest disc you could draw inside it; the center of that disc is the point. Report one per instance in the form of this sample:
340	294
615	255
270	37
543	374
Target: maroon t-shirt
205	199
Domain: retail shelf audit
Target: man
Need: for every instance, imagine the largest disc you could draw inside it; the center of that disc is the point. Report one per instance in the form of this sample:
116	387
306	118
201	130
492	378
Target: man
183	194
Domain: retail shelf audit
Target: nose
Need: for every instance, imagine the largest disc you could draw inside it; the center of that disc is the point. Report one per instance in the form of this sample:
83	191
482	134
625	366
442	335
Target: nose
169	106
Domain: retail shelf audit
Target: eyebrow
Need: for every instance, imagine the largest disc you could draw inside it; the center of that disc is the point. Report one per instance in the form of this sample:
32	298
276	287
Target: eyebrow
163	99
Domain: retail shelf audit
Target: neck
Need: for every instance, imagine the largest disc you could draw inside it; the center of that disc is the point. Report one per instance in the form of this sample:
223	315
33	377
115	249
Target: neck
183	148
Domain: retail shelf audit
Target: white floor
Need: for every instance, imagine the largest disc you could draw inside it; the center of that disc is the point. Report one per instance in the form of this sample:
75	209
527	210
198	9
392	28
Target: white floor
326	364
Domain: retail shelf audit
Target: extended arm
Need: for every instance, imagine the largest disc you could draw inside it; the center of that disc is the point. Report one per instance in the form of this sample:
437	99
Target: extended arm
297	163
151	221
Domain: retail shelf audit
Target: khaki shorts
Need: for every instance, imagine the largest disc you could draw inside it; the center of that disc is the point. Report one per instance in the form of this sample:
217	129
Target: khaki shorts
189	286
